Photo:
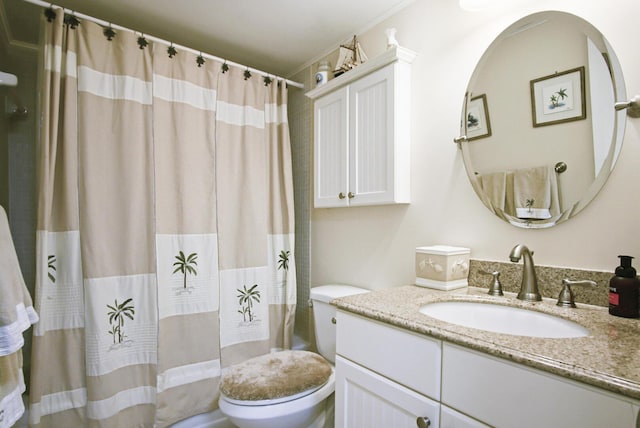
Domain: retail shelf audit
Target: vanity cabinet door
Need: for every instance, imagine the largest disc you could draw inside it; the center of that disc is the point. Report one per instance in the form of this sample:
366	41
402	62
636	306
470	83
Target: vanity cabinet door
365	399
504	394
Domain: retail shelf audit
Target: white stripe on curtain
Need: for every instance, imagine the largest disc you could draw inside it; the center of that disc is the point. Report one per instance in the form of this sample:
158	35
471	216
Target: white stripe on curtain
62	306
103	409
180	91
203	297
275	114
183	375
234	114
115	87
57	402
54	58
232	280
99	360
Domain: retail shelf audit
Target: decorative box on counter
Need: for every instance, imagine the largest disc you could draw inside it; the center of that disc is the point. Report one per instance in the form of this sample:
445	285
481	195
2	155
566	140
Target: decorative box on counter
442	267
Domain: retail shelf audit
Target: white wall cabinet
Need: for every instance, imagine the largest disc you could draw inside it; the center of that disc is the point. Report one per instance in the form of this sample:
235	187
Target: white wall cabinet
388	377
362	134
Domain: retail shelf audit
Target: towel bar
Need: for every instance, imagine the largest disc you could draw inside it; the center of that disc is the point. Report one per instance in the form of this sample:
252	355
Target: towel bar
560	167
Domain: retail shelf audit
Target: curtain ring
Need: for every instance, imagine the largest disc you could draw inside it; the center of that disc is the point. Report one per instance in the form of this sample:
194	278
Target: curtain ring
142	41
172	51
225	67
247	74
109	32
49	13
71	20
200	60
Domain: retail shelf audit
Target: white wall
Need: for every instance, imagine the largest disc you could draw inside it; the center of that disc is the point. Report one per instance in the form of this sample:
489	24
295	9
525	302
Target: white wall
374	246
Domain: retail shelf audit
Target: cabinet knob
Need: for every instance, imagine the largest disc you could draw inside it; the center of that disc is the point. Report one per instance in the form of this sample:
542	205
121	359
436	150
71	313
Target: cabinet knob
333	320
351	195
423	422
341	195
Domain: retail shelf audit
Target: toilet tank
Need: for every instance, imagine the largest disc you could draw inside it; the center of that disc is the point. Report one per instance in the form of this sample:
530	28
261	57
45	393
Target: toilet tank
324	315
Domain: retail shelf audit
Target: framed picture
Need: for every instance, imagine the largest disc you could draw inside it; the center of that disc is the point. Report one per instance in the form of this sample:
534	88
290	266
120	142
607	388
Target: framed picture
478	123
558	98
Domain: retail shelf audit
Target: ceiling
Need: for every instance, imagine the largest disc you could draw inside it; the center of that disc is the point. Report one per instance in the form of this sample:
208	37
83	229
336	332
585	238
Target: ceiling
276	36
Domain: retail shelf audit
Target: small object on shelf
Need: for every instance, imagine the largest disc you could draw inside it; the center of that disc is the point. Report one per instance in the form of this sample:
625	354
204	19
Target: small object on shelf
442	267
391	37
350	56
322	75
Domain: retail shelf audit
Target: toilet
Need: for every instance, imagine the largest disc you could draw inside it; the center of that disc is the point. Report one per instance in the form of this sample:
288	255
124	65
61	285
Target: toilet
292	389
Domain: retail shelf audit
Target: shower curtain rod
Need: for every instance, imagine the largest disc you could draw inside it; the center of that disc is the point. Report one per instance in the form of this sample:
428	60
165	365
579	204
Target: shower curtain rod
165	42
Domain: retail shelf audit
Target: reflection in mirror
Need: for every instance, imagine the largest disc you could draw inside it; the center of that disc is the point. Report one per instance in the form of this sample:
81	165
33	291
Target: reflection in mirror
542	131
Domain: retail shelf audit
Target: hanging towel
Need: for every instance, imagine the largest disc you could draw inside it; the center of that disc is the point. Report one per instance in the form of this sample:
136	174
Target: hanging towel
16	308
11	388
535	193
494	187
16	316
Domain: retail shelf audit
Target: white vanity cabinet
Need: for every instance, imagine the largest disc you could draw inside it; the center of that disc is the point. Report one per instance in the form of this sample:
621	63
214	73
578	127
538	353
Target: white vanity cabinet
385	377
388	377
362	134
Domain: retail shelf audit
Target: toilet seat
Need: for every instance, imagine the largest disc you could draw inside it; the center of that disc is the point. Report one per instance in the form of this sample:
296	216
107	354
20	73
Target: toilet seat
275	378
274	400
284	414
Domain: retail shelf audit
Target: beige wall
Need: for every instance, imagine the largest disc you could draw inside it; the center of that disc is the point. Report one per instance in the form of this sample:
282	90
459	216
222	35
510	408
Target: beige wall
374	246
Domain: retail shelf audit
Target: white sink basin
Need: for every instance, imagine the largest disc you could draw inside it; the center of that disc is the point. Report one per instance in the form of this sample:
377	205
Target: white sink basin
504	319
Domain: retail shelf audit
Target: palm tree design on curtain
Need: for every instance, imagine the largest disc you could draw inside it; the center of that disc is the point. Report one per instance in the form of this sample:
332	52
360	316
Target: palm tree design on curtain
246	299
116	315
51	267
186	265
283	263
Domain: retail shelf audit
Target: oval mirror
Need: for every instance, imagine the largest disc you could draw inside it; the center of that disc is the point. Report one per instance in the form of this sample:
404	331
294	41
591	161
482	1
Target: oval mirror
542	134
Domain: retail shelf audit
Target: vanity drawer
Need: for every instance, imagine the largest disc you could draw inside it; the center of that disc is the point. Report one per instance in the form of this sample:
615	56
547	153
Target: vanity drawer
407	358
504	394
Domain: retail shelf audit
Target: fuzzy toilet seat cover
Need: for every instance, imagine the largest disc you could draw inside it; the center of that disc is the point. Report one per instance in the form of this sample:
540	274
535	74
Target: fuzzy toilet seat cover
276	375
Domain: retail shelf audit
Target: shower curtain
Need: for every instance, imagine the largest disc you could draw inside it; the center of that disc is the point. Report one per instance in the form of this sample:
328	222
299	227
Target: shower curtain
165	229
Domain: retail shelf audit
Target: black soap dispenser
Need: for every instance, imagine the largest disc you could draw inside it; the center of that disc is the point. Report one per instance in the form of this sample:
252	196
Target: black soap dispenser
624	290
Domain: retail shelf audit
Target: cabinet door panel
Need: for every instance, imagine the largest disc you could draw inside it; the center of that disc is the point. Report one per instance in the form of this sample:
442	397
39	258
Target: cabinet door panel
371	156
367	400
331	150
504	394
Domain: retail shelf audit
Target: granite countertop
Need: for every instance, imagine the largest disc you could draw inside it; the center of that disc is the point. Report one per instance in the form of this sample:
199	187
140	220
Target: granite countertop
608	358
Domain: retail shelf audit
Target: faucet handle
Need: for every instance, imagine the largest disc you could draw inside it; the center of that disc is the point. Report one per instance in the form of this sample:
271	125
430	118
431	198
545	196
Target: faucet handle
566	298
495	289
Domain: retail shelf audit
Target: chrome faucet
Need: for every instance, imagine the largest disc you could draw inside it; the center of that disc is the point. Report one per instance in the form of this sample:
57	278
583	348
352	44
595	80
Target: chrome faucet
529	287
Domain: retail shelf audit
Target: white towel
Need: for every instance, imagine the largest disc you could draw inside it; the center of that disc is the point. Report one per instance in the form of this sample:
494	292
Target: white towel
535	193
494	186
16	307
16	315
11	388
